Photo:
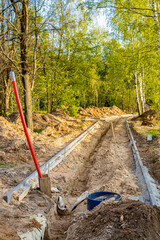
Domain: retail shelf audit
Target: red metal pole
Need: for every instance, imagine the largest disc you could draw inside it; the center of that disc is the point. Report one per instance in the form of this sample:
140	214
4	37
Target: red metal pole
24	124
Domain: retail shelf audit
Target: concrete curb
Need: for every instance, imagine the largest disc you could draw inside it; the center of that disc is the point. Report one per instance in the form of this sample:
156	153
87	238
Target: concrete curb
31	181
142	167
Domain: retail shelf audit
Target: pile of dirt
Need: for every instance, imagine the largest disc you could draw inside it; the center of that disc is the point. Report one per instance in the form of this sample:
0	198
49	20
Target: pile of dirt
51	132
128	220
115	110
146	117
7	232
43	120
93	111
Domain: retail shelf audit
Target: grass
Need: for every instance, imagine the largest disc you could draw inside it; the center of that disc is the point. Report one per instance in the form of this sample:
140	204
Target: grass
138	122
1	147
12	165
80	126
154	160
2	165
153	132
37	130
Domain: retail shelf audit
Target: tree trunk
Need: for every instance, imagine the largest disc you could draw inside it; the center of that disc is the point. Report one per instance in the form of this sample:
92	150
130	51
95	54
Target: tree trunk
144	99
24	66
137	94
2	62
7	88
129	100
48	100
156	22
1	97
135	80
123	96
35	46
141	92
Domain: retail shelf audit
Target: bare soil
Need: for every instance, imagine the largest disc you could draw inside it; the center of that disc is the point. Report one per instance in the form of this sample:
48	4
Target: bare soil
99	163
57	130
93	111
128	220
105	167
149	151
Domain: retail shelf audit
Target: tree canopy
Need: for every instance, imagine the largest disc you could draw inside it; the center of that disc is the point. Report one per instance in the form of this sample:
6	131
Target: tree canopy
63	59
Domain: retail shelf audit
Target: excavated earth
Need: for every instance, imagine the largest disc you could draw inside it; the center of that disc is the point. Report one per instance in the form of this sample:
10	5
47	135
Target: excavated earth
99	163
105	167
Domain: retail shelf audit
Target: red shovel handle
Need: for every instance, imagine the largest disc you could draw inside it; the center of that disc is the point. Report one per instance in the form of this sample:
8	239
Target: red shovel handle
24	124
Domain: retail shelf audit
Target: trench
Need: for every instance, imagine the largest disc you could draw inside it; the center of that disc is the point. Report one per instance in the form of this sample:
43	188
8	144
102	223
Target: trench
103	164
84	170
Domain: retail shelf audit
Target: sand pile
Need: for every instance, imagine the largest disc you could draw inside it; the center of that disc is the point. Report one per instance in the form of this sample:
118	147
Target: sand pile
128	220
115	110
93	111
51	131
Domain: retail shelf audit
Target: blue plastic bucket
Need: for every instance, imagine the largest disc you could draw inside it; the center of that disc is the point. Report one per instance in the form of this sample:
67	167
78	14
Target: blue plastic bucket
96	198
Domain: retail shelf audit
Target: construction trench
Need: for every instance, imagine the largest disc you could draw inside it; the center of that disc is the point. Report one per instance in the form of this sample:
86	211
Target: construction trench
102	162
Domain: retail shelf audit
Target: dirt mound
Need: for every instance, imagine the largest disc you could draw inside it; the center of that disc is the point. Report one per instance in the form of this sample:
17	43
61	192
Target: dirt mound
115	110
58	111
49	129
14	117
100	112
94	111
128	220
7	232
146	117
60	128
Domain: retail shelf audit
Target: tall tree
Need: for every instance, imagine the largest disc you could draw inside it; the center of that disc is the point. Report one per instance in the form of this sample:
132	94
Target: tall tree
22	16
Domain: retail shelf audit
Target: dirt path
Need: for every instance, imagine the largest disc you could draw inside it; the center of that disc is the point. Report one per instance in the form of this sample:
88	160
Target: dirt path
103	165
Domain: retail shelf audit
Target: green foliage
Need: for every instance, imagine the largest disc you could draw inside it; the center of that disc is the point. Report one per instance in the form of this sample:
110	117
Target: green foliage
153	132
80	126
79	64
37	130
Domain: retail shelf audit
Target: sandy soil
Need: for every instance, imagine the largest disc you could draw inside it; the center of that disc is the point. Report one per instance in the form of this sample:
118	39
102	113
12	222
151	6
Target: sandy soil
128	220
105	167
58	129
16	163
100	163
97	112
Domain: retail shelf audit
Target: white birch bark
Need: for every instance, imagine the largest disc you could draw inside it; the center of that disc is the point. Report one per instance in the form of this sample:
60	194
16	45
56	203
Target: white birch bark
156	22
141	92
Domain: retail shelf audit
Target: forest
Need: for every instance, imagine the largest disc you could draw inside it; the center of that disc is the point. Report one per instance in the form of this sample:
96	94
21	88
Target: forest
63	58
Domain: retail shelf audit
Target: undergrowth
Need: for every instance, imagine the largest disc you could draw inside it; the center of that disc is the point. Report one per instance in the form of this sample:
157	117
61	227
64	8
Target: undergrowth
2	165
153	132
